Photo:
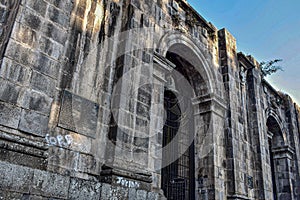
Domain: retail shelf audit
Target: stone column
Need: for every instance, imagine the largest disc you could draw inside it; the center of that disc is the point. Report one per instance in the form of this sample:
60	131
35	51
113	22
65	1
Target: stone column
258	134
161	67
282	161
237	169
210	150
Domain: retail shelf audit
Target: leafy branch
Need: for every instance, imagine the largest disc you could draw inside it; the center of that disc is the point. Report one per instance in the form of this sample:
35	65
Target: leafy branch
270	67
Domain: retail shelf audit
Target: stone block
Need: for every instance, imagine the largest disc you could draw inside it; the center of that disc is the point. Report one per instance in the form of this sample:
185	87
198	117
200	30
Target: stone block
24	34
38	6
83	189
50	48
125	119
118	193
34	123
140	157
131	193
144	96
36	101
152	196
53	31
9	92
10	195
21	155
22	178
143	110
78	114
15	177
146	57
50	184
62	158
9	115
141	195
46	65
43	83
105	191
142	141
64	5
31	20
6	175
85	163
143	126
14	72
57	16
19	53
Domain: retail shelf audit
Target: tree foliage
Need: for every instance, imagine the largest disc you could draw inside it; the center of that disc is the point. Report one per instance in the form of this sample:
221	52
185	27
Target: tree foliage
270	67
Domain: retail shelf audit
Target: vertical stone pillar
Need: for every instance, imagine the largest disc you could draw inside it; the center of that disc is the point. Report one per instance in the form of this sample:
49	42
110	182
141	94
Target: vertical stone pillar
210	149
282	160
161	67
235	131
258	133
204	151
293	133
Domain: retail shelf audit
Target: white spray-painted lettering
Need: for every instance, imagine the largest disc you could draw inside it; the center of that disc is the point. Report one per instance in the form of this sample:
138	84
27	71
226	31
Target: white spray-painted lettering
127	183
62	141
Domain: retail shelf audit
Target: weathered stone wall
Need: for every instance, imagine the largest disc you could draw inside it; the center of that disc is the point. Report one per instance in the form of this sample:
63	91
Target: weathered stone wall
82	104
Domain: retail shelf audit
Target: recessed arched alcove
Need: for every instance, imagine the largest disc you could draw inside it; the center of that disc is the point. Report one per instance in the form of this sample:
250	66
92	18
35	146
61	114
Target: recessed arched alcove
277	139
190	80
279	159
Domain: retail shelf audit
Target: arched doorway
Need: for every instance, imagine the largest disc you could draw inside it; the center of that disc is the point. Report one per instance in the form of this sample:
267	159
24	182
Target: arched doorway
279	160
178	178
188	59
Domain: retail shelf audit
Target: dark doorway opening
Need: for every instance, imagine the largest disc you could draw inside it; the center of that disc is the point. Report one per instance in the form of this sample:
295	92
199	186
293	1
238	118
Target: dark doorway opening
272	170
278	160
178	182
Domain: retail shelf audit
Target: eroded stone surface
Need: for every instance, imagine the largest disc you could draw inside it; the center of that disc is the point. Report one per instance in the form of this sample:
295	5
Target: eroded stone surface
82	105
81	189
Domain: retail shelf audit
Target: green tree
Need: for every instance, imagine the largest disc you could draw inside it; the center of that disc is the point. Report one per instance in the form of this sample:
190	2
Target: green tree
270	67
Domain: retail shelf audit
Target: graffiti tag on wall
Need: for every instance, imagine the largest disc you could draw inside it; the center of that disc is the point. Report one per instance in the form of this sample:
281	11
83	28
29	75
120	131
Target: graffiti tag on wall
59	140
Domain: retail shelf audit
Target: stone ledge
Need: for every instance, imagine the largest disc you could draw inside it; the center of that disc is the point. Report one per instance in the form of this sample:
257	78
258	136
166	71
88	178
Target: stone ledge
125	178
20	182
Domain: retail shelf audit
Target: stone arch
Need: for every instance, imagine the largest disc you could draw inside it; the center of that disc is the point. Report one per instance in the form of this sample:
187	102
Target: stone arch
273	117
275	132
280	156
183	65
203	99
185	46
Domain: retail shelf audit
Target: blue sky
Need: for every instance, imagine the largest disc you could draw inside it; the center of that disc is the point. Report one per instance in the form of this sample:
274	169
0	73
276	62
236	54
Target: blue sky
267	30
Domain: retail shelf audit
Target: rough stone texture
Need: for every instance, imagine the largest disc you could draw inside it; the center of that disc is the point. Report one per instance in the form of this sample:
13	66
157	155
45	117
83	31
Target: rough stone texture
49	184
10	115
33	122
82	94
81	189
78	114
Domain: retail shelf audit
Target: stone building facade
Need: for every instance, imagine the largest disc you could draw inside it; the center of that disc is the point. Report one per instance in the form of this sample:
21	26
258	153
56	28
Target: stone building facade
137	99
